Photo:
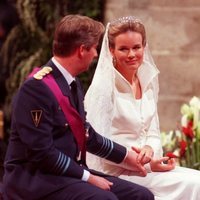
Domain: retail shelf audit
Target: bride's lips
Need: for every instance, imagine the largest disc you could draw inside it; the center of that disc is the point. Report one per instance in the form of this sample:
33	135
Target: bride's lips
131	62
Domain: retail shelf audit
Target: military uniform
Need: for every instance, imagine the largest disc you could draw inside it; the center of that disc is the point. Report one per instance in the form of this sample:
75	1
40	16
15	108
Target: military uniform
42	160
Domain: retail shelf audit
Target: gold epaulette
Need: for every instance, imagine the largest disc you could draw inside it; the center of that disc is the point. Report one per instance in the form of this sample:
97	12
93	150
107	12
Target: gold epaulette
41	73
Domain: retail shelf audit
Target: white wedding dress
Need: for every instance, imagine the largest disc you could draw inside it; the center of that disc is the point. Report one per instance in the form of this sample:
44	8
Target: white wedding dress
114	112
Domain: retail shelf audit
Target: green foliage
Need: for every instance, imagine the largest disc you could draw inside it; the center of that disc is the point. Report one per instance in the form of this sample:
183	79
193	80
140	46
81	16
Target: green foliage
92	8
29	43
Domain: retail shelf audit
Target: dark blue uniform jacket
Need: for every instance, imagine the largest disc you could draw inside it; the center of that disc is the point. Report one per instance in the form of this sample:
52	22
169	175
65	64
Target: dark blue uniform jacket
42	152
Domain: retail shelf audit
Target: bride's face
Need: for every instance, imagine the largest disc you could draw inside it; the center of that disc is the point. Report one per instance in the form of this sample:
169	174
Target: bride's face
128	52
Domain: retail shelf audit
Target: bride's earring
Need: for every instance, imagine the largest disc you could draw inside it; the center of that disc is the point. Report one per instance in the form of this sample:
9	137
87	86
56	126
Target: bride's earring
114	62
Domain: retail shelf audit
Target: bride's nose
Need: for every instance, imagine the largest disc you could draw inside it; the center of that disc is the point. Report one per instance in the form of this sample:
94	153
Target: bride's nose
131	53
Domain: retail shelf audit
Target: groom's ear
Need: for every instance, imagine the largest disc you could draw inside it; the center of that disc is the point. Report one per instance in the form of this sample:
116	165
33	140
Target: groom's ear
80	50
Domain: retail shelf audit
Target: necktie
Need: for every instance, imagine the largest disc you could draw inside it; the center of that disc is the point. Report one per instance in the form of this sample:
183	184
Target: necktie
74	92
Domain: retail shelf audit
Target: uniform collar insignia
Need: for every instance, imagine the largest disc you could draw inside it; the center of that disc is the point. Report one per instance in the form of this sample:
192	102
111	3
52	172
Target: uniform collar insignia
36	116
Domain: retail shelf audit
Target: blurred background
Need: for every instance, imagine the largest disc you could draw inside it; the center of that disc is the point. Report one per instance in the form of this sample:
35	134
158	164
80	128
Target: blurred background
173	35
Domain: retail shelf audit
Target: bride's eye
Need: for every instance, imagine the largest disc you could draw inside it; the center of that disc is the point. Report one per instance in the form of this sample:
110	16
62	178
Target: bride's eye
123	49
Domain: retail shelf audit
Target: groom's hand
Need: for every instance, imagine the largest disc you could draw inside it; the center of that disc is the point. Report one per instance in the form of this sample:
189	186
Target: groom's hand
131	163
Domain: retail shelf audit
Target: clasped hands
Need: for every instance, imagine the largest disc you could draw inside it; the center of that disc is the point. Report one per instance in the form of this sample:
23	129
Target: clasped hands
137	158
135	161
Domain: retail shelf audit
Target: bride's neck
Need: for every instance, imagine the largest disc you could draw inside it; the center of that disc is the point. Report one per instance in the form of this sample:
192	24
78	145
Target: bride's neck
134	79
131	77
137	91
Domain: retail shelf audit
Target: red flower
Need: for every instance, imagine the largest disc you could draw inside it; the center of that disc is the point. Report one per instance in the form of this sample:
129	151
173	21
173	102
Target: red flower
171	155
188	131
190	123
183	146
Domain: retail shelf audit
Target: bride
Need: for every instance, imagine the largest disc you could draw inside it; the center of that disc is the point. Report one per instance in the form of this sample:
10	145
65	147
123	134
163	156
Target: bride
121	104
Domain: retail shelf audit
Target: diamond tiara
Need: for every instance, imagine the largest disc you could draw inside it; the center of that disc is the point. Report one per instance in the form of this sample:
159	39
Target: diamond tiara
126	19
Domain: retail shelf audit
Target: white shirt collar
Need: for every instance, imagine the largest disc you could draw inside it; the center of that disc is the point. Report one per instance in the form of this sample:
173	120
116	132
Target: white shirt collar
69	78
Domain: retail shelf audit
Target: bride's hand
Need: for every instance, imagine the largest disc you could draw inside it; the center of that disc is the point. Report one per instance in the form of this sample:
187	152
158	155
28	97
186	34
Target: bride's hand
159	166
145	154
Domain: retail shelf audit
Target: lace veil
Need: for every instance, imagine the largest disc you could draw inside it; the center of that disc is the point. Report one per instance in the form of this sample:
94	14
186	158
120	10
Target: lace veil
98	99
